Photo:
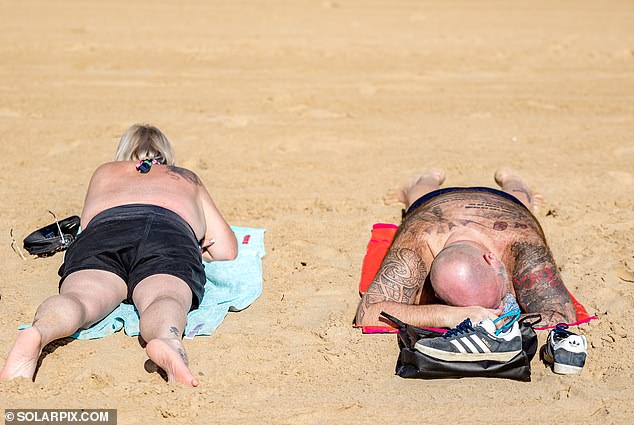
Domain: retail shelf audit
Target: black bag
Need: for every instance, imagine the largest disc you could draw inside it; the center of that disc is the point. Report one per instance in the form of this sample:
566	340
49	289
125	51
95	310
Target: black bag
413	364
53	238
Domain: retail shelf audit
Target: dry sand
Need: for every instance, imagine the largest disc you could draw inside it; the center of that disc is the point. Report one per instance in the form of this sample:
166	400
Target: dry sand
300	117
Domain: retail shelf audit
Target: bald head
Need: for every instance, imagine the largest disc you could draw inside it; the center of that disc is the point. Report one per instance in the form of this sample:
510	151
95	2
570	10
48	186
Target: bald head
461	276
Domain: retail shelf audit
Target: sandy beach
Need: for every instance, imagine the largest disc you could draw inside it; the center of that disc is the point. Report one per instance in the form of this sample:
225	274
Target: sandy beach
301	117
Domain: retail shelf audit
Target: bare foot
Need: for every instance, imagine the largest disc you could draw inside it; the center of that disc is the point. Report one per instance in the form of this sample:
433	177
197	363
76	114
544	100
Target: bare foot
169	355
513	184
22	359
423	183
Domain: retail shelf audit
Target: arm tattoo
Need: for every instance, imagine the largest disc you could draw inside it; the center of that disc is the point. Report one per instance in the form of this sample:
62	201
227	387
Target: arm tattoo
174	331
177	172
538	285
401	275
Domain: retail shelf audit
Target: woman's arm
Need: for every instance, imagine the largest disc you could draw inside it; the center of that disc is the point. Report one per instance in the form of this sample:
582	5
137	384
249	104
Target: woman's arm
219	242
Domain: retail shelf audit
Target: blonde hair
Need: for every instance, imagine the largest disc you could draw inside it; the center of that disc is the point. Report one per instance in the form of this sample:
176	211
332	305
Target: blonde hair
144	141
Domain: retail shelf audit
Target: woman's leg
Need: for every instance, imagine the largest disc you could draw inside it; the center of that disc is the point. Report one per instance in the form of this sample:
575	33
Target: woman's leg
86	297
163	302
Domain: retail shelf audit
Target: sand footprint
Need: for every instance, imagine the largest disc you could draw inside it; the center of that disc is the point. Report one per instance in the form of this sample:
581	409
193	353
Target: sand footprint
625	270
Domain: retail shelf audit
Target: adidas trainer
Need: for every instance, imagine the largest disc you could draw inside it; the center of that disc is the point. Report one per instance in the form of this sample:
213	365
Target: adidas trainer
565	350
471	343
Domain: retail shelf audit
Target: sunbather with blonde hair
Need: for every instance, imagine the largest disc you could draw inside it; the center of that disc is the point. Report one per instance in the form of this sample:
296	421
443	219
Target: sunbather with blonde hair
147	224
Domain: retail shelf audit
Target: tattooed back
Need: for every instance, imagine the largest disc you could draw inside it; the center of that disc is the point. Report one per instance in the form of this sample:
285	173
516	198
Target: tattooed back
500	222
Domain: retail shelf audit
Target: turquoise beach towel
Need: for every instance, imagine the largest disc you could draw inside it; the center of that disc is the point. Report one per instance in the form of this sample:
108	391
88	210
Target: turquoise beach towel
231	286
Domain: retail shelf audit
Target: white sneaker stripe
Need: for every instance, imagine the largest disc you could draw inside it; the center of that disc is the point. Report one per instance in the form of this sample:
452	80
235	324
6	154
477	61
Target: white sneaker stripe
478	341
458	346
469	345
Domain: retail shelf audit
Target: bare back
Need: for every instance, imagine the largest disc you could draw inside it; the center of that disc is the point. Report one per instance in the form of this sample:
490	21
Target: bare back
469	215
174	188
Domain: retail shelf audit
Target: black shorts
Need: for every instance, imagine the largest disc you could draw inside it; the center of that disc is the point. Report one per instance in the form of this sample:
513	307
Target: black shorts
431	195
137	241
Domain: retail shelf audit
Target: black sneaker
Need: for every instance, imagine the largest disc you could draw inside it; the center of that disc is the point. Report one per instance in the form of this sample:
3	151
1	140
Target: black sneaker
473	343
565	350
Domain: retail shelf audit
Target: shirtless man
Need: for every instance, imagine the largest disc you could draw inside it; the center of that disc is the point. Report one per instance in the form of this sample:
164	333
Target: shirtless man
459	251
146	230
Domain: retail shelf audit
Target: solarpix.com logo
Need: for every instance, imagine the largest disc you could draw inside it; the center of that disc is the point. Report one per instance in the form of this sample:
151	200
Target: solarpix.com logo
60	416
